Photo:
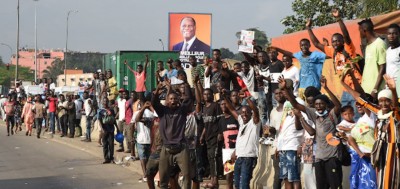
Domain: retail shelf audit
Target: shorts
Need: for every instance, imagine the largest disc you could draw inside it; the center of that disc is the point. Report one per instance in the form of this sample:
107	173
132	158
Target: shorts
289	165
152	164
143	151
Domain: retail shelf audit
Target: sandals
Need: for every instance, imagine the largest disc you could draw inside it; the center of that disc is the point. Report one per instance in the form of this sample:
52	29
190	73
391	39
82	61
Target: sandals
210	185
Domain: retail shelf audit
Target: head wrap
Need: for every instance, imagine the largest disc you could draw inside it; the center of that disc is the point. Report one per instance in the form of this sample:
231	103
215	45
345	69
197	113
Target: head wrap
385	93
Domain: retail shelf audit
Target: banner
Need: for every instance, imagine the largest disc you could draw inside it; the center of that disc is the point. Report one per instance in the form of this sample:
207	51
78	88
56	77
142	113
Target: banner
190	33
246	41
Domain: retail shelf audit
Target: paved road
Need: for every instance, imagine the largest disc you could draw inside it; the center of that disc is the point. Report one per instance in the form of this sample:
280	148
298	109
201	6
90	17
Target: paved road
31	163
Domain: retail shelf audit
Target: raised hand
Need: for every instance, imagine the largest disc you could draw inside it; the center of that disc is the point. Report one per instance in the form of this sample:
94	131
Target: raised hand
147	104
309	23
336	13
282	83
196	78
390	82
323	81
297	113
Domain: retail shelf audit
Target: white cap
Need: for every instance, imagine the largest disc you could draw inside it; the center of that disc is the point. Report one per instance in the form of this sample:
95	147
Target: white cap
385	93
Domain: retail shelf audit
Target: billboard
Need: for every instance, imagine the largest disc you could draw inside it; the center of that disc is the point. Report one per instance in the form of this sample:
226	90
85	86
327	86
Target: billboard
190	33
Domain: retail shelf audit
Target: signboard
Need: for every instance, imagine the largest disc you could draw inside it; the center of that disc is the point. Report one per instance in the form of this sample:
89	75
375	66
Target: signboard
190	33
246	41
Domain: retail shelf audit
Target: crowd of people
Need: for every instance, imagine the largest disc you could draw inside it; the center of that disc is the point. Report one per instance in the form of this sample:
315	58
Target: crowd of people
218	121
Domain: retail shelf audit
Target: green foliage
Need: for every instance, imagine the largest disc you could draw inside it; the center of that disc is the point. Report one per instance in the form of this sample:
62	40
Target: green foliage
226	53
320	11
376	7
25	74
259	36
1	60
88	62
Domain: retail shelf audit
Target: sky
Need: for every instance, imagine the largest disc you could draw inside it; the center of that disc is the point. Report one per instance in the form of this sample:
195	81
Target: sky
110	25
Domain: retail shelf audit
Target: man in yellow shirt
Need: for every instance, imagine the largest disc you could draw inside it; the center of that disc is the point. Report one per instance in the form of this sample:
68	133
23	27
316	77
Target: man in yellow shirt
112	86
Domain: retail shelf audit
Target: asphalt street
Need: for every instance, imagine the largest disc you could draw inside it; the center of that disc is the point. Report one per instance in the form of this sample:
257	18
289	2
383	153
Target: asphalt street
31	163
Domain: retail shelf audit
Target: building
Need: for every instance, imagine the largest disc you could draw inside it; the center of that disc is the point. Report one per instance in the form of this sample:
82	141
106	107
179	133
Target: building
44	59
74	78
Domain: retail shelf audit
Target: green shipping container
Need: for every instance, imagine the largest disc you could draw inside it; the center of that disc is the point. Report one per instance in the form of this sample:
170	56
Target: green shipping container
125	78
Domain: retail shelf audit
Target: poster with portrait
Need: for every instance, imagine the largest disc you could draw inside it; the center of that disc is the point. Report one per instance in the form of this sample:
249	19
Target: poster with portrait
246	41
190	34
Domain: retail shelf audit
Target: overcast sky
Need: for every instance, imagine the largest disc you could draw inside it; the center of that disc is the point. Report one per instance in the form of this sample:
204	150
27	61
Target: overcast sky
110	25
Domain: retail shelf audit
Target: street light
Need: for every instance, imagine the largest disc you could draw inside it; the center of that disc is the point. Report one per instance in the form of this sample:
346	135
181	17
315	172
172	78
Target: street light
162	44
8	47
36	66
66	48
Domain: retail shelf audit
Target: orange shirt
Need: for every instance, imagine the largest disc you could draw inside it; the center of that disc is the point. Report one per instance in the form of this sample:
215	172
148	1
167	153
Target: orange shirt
341	61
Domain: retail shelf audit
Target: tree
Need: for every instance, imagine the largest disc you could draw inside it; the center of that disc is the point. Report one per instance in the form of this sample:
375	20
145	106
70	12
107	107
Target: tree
226	53
1	60
88	62
259	36
376	7
56	68
320	11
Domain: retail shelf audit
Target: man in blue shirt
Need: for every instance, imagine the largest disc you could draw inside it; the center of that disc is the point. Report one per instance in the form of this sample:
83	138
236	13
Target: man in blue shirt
311	64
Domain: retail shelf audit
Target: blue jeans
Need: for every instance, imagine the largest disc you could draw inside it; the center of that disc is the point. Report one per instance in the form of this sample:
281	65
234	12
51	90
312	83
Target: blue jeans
289	165
88	126
347	99
243	172
52	116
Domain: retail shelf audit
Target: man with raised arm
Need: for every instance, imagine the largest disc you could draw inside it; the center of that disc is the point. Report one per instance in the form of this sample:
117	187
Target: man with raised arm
311	64
140	77
328	169
172	127
246	151
341	51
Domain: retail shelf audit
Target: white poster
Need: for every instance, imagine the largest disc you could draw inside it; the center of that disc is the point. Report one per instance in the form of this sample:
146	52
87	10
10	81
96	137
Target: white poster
246	41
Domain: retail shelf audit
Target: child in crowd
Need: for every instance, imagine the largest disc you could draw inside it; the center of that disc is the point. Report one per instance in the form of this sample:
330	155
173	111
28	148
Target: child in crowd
347	123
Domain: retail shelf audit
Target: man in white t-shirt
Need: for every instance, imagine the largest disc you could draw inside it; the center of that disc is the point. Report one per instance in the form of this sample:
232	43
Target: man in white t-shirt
289	143
121	114
246	152
291	72
393	54
144	120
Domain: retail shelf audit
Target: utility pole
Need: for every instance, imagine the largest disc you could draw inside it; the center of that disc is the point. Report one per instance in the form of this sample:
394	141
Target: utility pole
17	51
36	65
66	48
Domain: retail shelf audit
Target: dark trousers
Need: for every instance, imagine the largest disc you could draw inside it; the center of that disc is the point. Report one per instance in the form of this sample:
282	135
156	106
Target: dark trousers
167	160
88	126
108	145
78	126
71	125
243	171
10	121
64	124
328	174
212	159
38	123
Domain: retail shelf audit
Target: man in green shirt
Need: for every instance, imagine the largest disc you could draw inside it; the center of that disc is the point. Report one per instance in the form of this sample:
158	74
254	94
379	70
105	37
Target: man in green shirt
375	59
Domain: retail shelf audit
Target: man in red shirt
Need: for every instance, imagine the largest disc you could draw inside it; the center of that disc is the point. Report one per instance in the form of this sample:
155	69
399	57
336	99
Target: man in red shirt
9	109
52	111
